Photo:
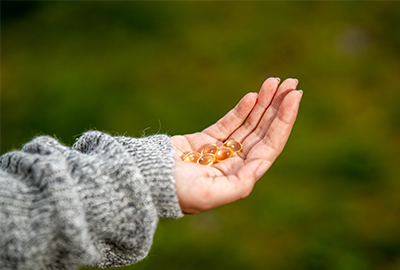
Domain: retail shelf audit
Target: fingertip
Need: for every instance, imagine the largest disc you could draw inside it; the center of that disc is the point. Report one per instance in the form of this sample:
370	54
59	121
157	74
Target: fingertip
250	171
251	95
256	169
262	169
294	96
290	83
248	101
299	94
272	80
290	106
268	90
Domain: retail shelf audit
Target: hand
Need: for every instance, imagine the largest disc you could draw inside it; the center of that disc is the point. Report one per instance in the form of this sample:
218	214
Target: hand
269	116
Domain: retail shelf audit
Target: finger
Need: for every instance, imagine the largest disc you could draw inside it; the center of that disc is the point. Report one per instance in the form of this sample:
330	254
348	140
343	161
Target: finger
270	114
265	96
233	119
272	144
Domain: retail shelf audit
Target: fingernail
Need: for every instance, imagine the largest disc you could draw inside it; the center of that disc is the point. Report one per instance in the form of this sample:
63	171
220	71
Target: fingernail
279	79
296	80
301	92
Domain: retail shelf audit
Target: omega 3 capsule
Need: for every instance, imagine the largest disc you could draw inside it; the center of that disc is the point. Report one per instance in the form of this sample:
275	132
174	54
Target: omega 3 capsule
234	145
192	157
210	149
206	160
223	154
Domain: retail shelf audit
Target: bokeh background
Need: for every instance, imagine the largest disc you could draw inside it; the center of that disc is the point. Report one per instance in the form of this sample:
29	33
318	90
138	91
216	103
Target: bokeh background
331	201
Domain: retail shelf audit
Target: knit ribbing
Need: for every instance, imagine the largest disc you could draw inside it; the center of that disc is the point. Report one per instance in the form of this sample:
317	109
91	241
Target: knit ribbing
157	172
96	203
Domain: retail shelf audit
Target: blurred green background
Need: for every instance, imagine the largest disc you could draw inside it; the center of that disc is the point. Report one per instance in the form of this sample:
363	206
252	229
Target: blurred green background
331	201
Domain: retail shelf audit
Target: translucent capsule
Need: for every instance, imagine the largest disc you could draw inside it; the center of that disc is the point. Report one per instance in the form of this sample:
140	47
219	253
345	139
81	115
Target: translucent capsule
210	149
192	157
207	160
234	145
223	153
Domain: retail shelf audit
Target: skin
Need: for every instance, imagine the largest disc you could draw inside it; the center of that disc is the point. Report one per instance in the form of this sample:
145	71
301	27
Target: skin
270	116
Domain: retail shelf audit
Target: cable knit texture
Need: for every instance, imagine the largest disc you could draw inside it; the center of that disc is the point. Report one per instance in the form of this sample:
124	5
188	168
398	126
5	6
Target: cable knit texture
96	203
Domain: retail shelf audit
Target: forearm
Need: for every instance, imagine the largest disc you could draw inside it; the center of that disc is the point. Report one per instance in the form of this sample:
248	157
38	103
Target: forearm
96	203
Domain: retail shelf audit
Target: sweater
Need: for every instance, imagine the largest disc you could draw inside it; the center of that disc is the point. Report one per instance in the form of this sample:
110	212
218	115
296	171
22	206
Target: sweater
96	203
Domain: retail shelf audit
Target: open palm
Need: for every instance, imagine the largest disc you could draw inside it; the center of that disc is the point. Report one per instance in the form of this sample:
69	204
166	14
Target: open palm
269	116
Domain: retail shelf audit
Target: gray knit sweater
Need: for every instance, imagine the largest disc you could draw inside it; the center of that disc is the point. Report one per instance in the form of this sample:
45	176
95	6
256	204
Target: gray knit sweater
96	203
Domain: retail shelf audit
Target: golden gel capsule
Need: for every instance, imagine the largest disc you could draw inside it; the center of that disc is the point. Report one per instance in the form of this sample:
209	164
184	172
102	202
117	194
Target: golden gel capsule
234	145
207	160
192	157
223	154
210	149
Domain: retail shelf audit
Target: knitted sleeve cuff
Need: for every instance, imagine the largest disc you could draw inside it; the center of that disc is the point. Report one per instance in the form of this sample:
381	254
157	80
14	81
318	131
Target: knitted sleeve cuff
154	156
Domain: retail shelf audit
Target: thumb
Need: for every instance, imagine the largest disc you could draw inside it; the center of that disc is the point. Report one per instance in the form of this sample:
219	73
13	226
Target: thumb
252	171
